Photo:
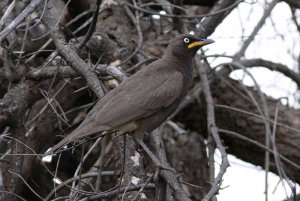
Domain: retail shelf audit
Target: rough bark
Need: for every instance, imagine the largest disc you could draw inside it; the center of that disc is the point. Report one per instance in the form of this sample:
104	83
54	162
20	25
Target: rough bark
125	35
236	112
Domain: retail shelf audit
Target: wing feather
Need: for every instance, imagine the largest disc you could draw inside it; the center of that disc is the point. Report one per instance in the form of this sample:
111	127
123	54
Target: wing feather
153	93
144	93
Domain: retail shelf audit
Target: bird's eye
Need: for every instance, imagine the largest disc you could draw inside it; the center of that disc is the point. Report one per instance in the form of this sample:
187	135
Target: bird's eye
186	40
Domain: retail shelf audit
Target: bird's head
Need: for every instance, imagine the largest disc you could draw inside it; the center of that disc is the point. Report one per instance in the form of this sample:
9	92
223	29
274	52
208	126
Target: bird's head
185	46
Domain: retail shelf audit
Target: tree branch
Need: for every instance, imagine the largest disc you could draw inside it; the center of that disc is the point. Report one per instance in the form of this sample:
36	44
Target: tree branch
69	53
273	67
212	130
20	18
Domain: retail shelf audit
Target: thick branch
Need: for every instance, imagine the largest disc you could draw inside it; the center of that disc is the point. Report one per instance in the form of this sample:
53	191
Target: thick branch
15	103
293	3
237	113
213	131
259	25
70	55
210	23
21	17
167	175
12	109
273	67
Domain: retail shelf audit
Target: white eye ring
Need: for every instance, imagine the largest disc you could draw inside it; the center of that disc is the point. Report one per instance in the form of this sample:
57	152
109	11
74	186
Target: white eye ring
186	40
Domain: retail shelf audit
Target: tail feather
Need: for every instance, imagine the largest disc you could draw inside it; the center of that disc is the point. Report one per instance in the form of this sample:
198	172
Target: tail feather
77	134
72	137
58	146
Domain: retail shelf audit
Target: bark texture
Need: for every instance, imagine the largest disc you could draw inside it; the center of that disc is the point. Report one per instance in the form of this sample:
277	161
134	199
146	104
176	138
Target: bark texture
57	59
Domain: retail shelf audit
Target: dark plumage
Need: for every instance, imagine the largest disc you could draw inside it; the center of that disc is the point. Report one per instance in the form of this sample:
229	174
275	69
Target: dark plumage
146	99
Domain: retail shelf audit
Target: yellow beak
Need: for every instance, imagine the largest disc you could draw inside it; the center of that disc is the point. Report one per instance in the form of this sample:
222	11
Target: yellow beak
200	43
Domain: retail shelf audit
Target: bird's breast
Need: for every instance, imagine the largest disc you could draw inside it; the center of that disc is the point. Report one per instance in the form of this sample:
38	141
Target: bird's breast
127	127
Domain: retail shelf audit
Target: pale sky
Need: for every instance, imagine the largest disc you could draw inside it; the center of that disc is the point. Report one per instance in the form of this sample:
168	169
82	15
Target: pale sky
244	181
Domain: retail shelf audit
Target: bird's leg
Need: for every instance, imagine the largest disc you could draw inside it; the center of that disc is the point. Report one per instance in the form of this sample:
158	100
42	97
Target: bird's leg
158	164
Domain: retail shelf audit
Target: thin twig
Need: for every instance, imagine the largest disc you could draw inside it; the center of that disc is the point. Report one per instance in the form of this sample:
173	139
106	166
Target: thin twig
122	190
262	146
185	16
25	182
92	26
82	161
136	20
213	130
30	8
70	55
259	25
83	176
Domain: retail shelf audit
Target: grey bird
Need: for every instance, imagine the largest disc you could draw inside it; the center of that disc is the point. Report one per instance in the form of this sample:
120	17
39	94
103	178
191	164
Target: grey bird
147	98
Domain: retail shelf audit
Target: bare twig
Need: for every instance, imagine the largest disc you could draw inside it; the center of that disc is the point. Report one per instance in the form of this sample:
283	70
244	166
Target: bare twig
234	4
83	176
262	146
212	129
20	177
273	67
215	17
80	165
259	25
25	13
259	117
168	176
121	190
7	13
71	56
136	20
92	26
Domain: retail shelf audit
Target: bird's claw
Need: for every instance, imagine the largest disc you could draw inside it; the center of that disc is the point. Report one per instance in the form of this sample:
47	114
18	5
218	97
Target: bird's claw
159	167
166	167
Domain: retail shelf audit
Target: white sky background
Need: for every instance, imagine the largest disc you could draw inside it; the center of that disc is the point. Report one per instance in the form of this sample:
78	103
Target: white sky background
277	41
268	44
244	181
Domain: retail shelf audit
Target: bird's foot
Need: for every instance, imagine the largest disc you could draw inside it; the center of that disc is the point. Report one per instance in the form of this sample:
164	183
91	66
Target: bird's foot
165	167
156	161
159	167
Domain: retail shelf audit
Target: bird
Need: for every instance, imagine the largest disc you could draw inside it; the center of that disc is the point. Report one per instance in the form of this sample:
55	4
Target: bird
147	98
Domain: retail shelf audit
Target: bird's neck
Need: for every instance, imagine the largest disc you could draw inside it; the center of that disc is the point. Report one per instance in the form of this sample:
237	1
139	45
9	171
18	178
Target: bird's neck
185	66
180	61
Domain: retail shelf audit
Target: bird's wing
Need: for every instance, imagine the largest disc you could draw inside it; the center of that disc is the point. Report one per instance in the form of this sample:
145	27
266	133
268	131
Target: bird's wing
143	97
143	94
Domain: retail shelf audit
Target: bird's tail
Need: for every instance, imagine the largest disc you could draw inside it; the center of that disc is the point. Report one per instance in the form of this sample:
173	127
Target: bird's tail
74	136
58	146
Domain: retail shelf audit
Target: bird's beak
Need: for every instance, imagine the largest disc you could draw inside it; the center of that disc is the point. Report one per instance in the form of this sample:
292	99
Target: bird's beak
201	43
